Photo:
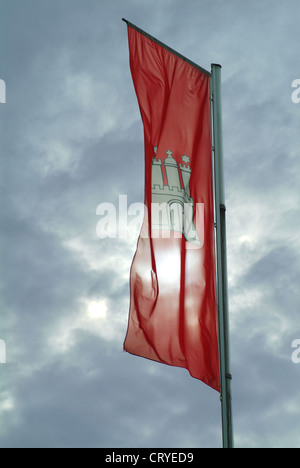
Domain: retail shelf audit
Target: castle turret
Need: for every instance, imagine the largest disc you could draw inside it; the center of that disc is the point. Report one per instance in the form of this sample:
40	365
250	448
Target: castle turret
172	171
157	175
186	175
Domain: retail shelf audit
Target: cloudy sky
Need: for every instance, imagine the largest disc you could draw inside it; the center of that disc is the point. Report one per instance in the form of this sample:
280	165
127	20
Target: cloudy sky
71	138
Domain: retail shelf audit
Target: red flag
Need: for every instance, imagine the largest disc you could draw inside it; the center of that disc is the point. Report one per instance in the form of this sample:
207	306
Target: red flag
173	312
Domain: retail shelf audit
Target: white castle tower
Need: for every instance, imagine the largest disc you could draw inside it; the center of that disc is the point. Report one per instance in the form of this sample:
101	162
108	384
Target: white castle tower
172	205
172	171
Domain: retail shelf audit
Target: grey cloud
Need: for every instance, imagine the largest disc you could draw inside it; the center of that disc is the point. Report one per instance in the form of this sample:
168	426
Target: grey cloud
71	139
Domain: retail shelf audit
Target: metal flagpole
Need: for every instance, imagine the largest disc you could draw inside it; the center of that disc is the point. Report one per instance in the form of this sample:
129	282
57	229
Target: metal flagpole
222	282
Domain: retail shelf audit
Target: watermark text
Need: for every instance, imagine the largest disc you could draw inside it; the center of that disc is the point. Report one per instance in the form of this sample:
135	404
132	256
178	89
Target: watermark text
296	354
296	93
2	92
2	352
168	220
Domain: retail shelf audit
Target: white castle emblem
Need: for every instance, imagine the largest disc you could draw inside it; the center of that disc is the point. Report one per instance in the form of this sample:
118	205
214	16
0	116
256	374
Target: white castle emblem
172	204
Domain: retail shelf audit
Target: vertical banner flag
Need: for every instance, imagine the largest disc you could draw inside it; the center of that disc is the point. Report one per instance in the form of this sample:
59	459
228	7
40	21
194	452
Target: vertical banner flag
173	311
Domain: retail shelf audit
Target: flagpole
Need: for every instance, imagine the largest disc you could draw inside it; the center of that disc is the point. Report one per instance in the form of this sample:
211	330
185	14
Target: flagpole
222	281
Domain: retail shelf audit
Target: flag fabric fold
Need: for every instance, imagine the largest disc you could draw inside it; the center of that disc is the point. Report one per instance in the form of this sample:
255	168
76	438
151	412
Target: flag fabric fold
173	311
